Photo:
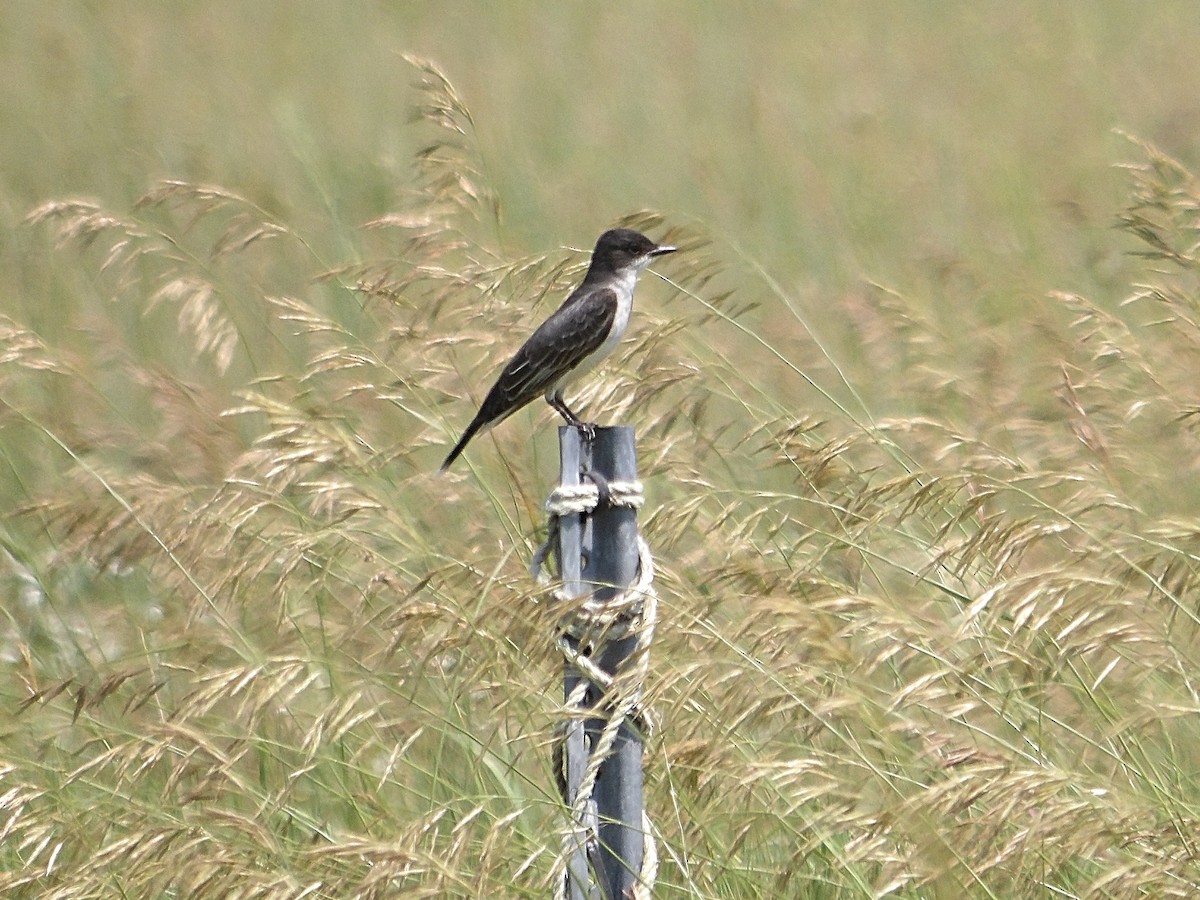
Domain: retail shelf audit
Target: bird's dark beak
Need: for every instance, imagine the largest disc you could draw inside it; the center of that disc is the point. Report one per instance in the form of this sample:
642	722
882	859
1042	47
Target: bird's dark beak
662	249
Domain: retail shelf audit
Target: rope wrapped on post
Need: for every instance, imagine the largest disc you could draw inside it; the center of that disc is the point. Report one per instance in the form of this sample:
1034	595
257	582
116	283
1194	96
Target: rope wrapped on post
616	614
594	623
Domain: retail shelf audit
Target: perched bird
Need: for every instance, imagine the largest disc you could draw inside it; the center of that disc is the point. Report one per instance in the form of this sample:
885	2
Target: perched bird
580	333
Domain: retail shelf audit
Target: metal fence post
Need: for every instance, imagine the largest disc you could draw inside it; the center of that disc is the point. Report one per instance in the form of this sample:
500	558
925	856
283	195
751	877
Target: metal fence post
598	555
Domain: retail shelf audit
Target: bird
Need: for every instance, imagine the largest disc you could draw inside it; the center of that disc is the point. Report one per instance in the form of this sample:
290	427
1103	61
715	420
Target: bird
578	335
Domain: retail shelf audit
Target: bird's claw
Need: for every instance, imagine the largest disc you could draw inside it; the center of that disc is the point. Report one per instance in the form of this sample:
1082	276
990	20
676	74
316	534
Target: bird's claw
587	430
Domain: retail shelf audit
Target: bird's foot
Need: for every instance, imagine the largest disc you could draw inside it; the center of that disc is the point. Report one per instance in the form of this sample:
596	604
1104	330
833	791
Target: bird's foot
587	430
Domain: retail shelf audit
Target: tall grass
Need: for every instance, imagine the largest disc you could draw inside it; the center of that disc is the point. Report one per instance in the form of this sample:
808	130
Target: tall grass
928	595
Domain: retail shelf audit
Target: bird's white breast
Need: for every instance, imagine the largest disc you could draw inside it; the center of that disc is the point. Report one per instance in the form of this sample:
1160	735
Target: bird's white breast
624	289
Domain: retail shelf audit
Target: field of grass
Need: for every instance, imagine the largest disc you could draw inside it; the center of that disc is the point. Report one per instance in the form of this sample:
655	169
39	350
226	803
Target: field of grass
916	407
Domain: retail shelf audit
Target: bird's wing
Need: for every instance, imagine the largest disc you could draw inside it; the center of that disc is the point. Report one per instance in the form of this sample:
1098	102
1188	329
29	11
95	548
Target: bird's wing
571	334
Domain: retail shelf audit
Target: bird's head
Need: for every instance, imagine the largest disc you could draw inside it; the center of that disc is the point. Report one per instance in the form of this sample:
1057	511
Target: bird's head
621	249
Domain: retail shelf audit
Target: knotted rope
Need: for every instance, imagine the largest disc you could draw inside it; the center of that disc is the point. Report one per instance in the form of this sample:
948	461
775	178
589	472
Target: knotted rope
593	623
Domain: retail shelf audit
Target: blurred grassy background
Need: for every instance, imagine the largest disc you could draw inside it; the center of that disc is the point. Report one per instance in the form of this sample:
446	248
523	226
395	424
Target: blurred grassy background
833	140
923	485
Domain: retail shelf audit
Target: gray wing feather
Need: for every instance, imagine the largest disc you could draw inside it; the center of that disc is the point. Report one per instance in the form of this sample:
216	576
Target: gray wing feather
574	331
560	343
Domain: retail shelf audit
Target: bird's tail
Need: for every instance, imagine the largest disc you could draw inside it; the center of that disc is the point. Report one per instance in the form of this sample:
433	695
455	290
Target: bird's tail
471	431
